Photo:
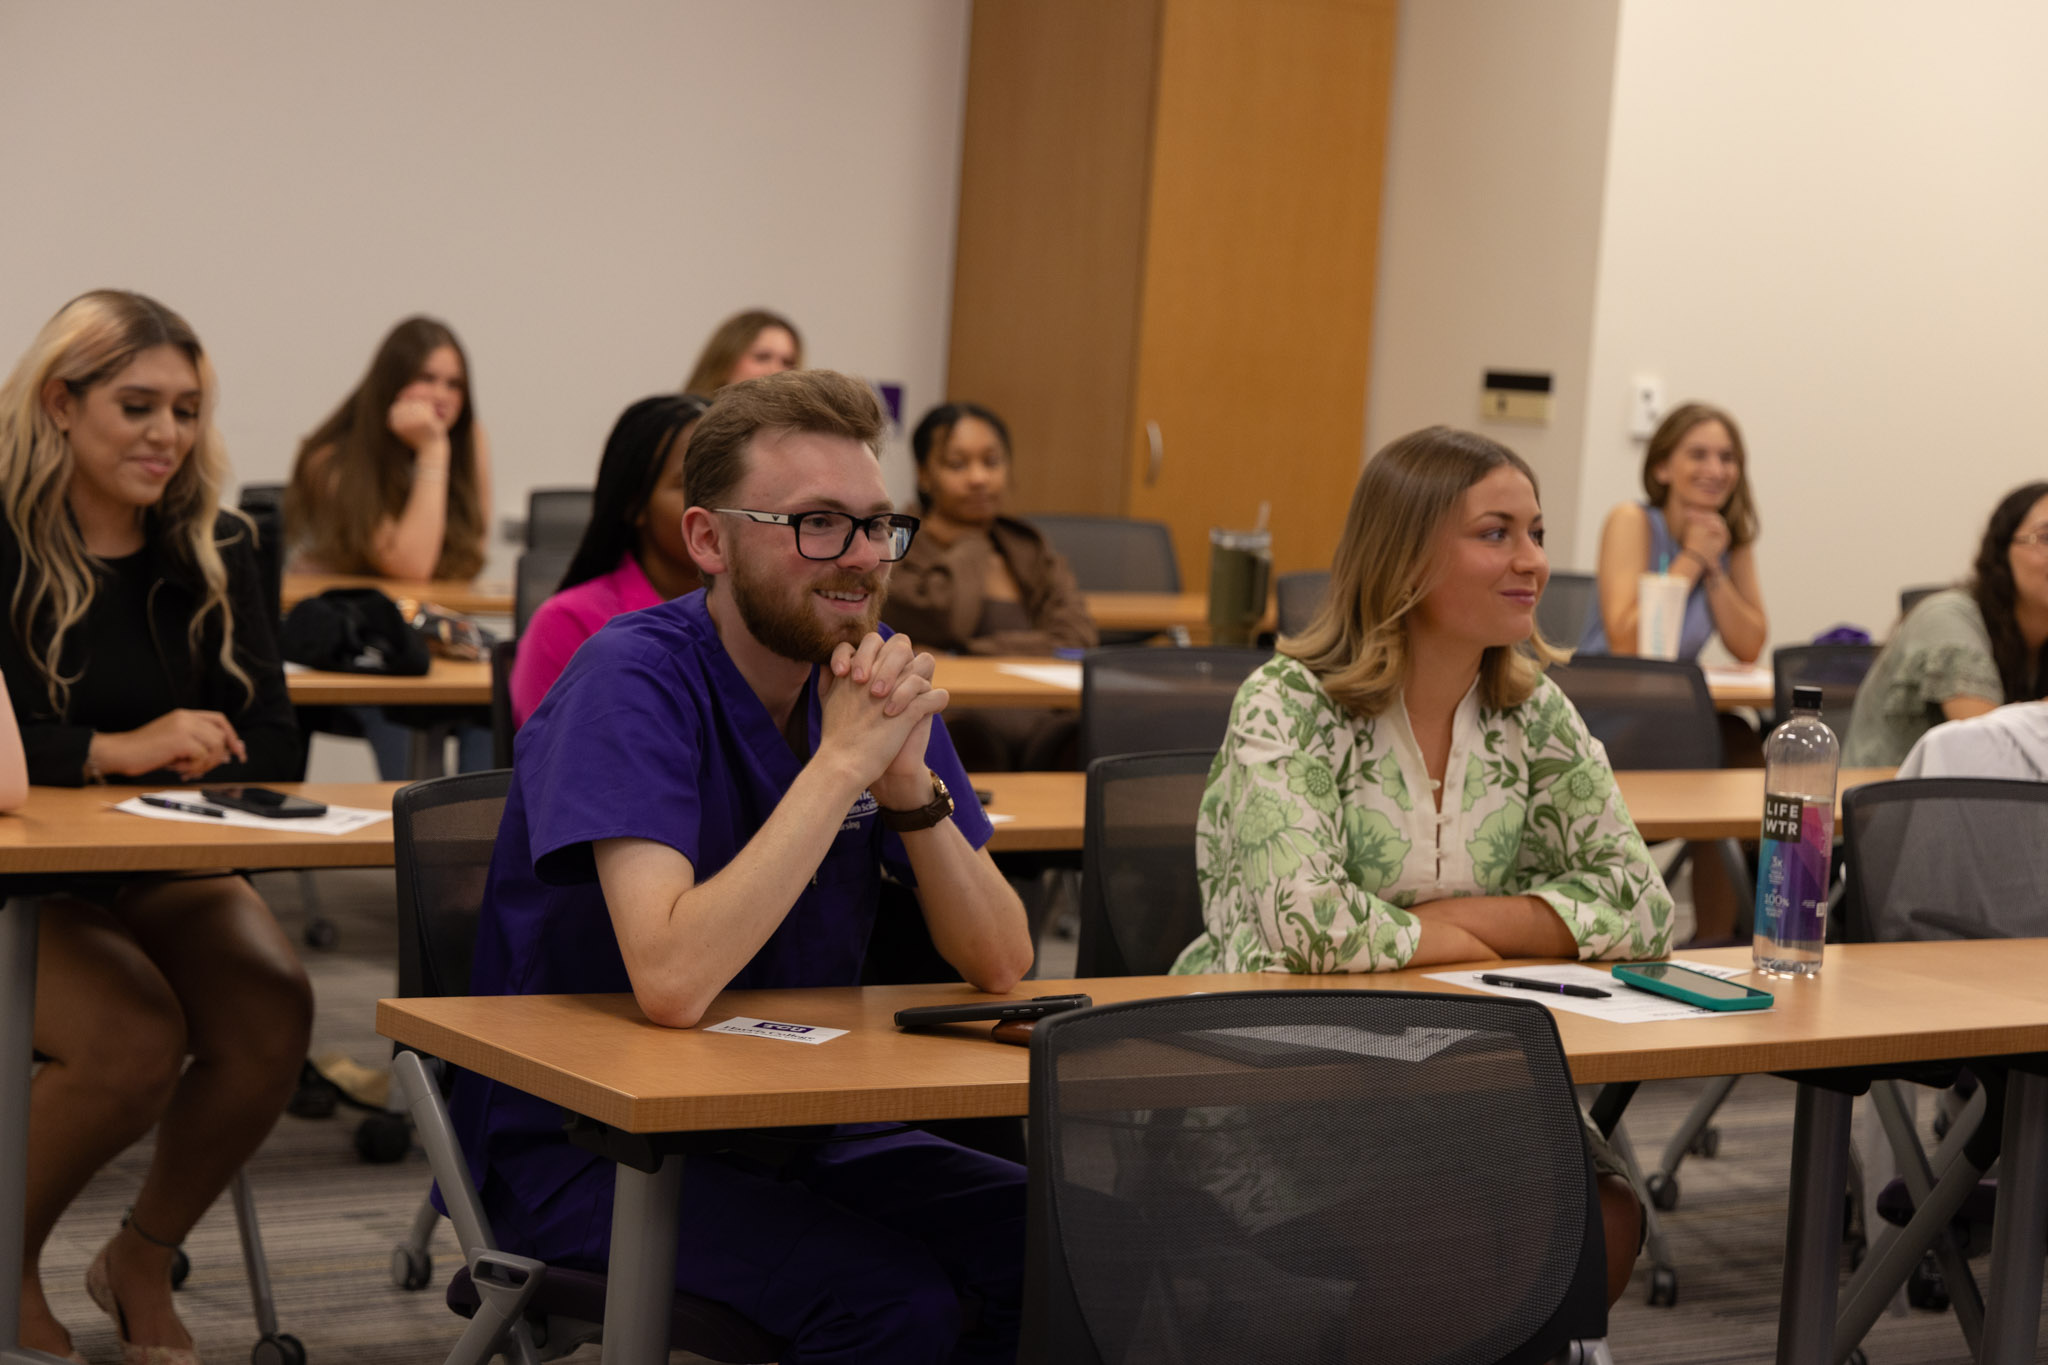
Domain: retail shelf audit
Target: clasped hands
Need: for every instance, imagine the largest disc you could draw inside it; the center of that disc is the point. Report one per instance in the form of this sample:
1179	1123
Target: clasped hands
878	702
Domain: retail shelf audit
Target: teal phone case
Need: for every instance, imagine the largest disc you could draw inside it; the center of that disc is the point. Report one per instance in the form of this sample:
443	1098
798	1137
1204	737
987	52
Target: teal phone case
1628	975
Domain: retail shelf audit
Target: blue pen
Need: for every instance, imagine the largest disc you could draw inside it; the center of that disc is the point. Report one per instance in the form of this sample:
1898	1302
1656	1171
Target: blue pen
1523	983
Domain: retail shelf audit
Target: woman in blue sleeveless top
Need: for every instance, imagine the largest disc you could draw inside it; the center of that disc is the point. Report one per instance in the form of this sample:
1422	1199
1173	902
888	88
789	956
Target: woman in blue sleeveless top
1700	524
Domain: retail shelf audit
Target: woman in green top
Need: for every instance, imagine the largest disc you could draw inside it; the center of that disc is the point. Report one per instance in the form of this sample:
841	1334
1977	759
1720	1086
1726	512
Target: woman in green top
1967	650
1401	786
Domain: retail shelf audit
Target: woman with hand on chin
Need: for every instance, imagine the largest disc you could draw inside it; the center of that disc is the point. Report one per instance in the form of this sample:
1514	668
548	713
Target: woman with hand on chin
140	648
396	483
1402	787
1697	522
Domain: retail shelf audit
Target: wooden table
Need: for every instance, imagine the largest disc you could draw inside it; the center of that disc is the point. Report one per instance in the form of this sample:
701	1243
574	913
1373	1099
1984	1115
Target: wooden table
1187	611
74	829
1874	1004
979	680
485	598
447	682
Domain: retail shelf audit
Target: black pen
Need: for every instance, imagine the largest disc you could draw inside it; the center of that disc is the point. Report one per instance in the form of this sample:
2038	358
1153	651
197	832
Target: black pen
190	808
1522	983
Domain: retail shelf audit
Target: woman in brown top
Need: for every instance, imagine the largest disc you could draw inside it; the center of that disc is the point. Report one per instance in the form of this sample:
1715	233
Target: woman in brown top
977	582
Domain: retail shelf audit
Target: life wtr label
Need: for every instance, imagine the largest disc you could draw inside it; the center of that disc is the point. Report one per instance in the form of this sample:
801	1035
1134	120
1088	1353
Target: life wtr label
1792	874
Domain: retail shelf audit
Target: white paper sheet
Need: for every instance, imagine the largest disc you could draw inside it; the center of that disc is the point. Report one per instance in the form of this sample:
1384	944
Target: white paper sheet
338	820
996	818
1052	675
1739	675
1625	1005
748	1027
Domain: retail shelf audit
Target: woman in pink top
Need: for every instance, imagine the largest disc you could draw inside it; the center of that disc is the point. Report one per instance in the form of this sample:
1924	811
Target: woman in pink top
632	553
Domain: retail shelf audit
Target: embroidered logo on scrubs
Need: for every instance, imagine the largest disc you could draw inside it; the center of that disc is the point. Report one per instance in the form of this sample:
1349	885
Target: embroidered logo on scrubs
862	809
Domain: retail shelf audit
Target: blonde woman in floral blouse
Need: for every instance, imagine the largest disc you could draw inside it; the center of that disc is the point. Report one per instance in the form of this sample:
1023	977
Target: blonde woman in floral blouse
1401	786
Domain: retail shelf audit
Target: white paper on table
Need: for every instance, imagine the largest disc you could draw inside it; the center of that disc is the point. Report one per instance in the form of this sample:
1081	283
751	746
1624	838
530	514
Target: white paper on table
1052	675
338	820
1626	1004
1739	675
996	819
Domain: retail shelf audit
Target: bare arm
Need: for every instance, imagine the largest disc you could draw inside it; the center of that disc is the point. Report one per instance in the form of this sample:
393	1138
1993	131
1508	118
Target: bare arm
1736	600
1504	926
1963	707
1624	553
13	763
409	546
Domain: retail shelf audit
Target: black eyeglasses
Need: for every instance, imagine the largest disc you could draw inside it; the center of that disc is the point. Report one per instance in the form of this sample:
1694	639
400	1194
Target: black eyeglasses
828	535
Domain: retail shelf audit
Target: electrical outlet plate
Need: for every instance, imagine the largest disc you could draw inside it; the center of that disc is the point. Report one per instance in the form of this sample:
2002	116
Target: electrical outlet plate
1645	406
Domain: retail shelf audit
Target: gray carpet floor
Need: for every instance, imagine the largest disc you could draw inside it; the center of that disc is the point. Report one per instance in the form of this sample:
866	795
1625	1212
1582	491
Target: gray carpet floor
330	1220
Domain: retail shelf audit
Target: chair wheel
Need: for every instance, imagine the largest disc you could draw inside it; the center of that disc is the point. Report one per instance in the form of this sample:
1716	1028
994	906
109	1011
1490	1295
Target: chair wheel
1856	1357
181	1267
1663	1287
321	934
410	1269
383	1138
1706	1143
1663	1191
280	1349
1925	1288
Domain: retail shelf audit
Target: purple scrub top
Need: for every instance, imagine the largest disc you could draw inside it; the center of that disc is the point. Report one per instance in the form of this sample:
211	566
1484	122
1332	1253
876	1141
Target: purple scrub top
652	733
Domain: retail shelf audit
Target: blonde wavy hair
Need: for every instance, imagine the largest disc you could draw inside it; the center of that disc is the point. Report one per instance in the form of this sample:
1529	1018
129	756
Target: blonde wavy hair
90	341
722	352
1357	644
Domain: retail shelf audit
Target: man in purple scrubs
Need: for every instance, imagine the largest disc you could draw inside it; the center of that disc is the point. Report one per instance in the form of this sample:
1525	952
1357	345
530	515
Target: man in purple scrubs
709	797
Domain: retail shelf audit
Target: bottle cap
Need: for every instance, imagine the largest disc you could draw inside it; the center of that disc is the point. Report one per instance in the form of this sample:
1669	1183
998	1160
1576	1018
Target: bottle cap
1806	699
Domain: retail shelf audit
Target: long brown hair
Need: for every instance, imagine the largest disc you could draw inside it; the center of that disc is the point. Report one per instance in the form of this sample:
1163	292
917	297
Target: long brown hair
730	342
2023	674
1740	510
1357	644
363	472
90	341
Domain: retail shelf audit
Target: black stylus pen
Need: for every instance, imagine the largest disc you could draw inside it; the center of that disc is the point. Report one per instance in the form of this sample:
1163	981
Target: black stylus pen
1522	983
190	808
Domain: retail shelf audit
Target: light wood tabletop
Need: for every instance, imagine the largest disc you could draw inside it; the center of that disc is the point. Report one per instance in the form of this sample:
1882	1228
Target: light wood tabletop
447	682
77	829
1148	610
1034	812
598	1055
986	680
483	598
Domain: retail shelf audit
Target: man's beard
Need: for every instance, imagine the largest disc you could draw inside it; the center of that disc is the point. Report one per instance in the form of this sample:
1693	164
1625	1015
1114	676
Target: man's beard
791	628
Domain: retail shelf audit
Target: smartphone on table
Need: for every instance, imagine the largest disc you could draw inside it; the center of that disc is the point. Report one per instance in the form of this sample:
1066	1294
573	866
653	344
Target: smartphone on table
1000	1011
1694	988
273	805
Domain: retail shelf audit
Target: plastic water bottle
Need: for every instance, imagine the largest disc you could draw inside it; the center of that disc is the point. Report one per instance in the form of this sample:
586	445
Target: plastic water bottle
1801	759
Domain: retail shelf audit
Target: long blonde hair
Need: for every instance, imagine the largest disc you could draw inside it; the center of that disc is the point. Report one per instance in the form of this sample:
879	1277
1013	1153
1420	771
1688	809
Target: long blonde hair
1357	644
90	341
722	352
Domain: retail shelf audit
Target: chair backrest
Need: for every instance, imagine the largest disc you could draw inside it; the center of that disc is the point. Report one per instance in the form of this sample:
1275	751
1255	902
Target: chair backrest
555	517
534	581
1136	700
1837	670
1945	857
1140	904
503	653
1647	713
443	831
1910	598
1298	597
1371	1175
263	504
1114	554
1568	603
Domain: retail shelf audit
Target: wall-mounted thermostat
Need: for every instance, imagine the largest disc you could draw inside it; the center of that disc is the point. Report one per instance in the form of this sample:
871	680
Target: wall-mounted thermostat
1515	396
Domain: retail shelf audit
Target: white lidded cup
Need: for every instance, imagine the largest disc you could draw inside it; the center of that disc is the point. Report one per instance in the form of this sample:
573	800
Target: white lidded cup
1660	614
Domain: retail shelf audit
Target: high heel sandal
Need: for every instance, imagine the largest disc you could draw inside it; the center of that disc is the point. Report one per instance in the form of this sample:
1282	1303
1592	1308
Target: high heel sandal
101	1289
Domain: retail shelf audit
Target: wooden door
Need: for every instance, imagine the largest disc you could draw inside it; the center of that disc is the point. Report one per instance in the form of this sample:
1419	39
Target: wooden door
1261	245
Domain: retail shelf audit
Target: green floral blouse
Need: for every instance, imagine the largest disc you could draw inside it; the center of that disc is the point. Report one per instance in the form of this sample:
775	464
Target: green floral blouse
1318	831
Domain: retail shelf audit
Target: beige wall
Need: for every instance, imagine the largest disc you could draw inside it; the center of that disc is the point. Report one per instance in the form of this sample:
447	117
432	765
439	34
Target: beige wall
1496	160
1827	216
583	191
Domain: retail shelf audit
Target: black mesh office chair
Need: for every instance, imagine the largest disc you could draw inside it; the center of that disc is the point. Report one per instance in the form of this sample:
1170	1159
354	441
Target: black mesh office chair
1298	597
1647	713
1568	603
443	832
1115	554
1910	598
1938	858
503	655
555	517
1136	700
1837	670
1308	1176
1139	902
534	580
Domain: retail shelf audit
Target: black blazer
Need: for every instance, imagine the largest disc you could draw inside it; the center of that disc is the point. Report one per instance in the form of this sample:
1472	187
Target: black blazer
56	745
